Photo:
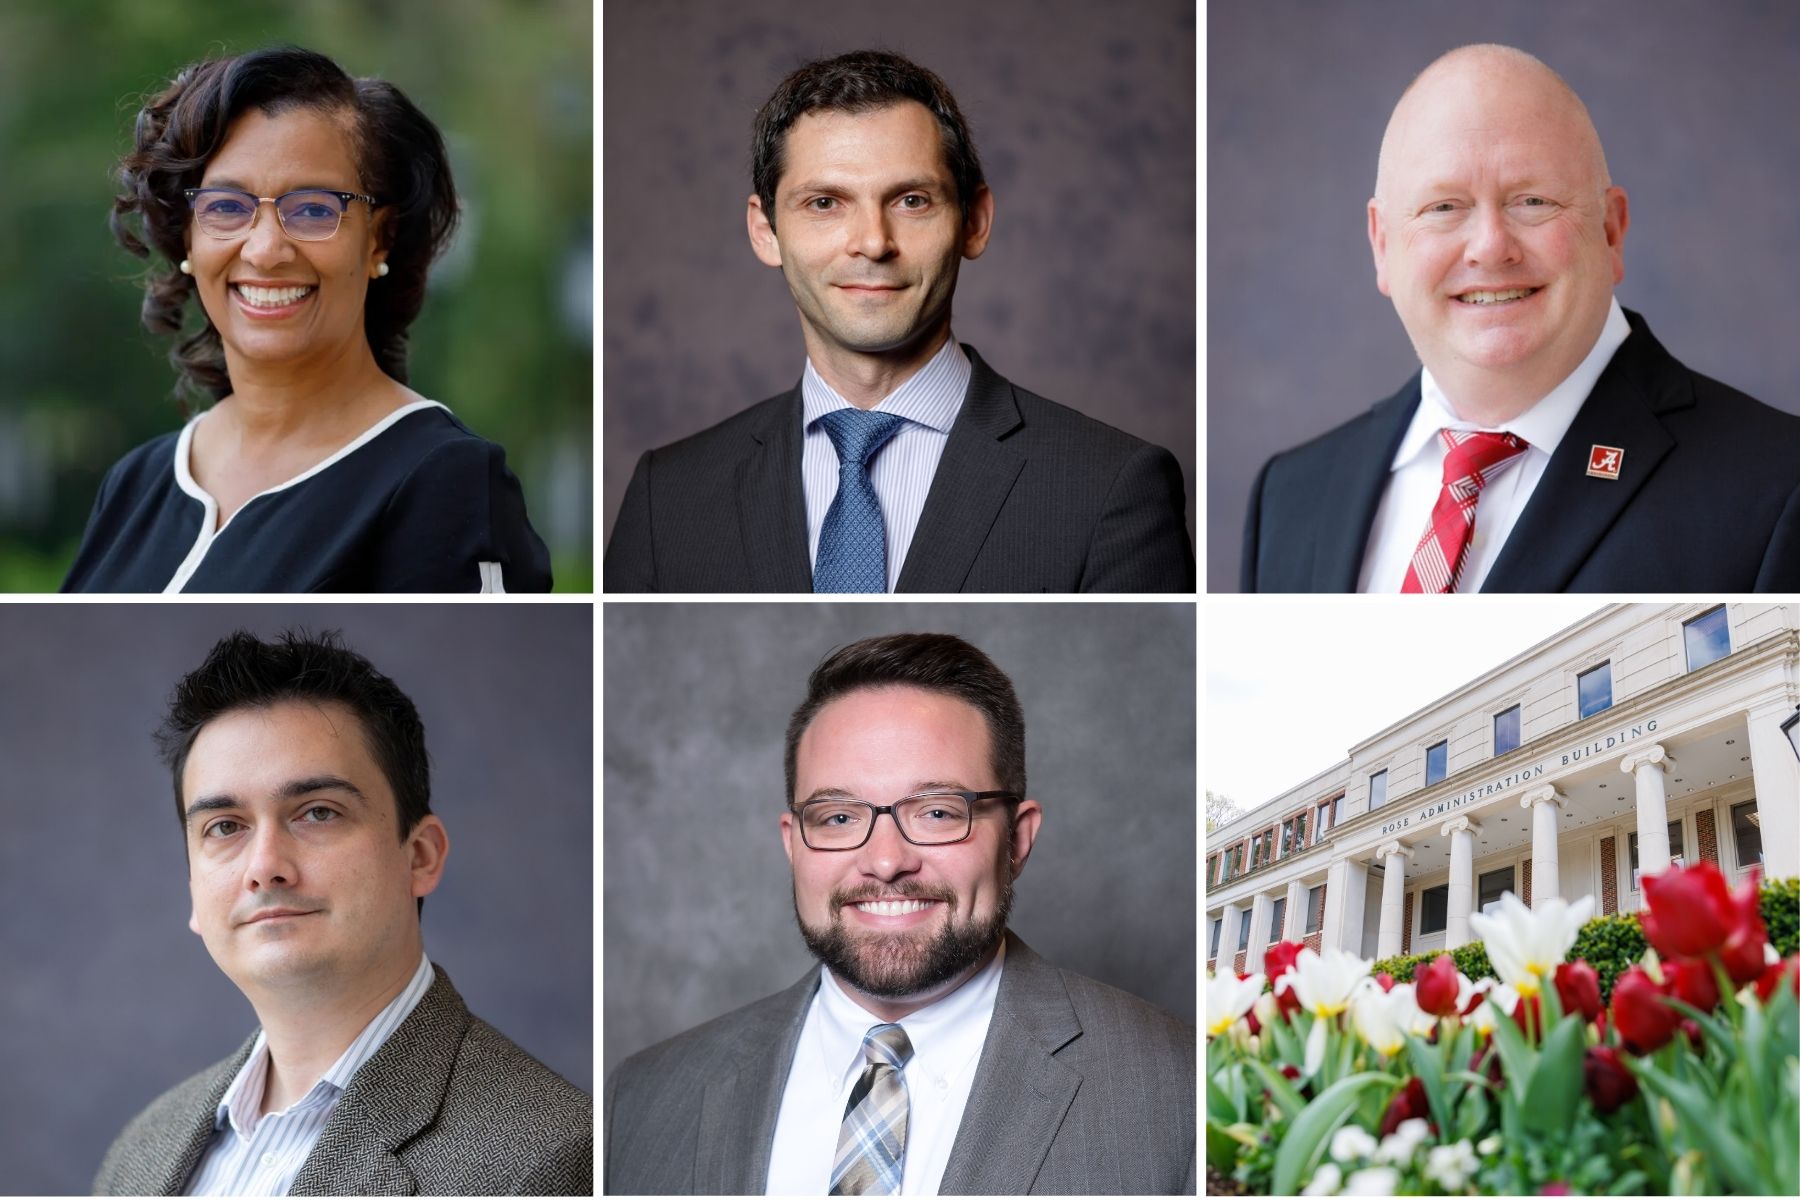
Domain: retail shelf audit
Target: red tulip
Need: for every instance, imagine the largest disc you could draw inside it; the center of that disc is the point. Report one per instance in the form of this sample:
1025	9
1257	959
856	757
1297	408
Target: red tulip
1770	979
1691	981
1578	987
1691	1027
1743	950
1687	911
1609	1081
1559	1188
1435	987
1385	980
1408	1102
1530	1010
1643	1020
1277	961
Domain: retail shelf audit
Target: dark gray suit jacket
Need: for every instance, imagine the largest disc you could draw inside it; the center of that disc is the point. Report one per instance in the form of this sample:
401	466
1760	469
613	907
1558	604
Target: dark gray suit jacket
1081	1089
448	1106
1029	496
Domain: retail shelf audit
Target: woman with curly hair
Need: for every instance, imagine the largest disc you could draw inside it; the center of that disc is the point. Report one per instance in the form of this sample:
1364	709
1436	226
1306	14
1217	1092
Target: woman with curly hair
303	208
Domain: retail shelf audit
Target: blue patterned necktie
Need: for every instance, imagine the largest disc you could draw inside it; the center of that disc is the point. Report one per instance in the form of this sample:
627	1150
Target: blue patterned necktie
853	541
871	1149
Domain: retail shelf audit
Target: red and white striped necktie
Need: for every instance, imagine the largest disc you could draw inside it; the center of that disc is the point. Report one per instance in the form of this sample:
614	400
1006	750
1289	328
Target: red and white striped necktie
1471	459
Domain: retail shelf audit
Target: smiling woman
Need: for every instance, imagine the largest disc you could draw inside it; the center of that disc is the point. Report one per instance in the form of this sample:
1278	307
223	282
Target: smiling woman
315	468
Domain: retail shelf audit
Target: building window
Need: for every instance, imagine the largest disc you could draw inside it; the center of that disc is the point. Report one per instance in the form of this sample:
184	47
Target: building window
1312	908
1593	690
1277	916
1244	931
1495	884
1434	905
1746	830
1214	952
1288	835
1707	637
1377	791
1436	759
1328	812
1674	851
1506	731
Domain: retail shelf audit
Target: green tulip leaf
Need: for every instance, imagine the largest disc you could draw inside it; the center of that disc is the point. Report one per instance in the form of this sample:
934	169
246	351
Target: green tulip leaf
1517	1057
1425	1065
1281	1090
1304	1143
1556	1079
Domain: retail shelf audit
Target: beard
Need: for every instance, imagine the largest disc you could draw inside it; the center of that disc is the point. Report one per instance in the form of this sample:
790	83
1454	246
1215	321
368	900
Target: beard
894	966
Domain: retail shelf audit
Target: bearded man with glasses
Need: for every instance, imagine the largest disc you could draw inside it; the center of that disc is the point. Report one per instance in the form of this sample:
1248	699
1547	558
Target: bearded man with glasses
933	1051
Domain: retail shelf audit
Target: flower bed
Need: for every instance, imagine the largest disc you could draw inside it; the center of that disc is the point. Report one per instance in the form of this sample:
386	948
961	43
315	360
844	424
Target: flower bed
1676	1071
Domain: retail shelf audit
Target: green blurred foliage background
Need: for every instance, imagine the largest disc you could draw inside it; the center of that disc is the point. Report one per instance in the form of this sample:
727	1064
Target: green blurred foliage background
506	336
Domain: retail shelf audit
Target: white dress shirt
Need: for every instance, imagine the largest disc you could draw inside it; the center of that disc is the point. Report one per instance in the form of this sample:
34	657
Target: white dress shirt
254	1155
946	1039
903	469
1418	471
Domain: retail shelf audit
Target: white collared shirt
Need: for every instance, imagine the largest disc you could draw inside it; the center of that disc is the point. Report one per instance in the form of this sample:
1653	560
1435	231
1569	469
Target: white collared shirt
946	1039
902	472
1418	471
254	1155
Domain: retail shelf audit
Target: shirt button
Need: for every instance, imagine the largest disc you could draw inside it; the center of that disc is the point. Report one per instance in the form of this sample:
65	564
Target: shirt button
268	1160
943	1085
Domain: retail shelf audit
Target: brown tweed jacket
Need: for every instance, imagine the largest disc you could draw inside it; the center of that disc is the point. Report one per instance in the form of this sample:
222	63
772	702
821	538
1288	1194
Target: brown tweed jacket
447	1106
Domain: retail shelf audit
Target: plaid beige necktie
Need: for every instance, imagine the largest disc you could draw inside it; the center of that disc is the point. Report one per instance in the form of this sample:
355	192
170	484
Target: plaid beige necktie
872	1140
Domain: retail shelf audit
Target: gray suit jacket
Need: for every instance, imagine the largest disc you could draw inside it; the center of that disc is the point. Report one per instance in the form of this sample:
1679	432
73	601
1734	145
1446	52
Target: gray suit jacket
1081	1089
447	1106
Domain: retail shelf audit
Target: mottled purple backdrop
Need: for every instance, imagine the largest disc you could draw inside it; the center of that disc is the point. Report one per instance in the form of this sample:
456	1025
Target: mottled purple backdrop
1083	113
1695	104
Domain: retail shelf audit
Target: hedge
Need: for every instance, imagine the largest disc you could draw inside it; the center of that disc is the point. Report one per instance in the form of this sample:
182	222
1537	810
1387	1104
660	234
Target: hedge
1612	943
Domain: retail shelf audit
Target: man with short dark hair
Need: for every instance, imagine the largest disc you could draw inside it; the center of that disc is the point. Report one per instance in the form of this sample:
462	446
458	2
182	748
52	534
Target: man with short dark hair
304	794
902	461
933	1052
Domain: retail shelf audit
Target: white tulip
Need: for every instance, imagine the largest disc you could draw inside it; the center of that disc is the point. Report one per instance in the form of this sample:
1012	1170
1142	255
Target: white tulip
1323	983
1352	1142
1375	1181
1526	944
1500	994
1385	1018
1228	998
1325	1181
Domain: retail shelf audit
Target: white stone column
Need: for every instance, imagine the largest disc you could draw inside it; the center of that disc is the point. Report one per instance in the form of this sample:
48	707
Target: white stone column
1228	931
1344	886
1777	775
1259	932
1646	769
1461	831
1393	897
1294	929
1546	869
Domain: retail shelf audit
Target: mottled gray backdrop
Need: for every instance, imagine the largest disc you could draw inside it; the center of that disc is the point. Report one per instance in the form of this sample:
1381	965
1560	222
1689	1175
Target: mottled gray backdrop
106	998
698	898
1695	104
1084	116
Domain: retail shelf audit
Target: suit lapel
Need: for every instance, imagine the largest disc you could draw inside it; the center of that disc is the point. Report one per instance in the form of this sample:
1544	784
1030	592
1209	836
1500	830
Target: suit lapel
771	503
973	477
178	1148
1021	1092
391	1098
1569	511
1351	492
738	1110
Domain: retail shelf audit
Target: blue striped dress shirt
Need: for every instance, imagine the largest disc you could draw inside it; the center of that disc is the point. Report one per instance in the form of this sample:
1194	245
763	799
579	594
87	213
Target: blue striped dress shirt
259	1156
902	472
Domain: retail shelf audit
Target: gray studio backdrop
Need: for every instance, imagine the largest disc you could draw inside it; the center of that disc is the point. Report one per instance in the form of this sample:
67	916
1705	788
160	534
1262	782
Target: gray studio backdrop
107	999
1695	104
698	906
1084	117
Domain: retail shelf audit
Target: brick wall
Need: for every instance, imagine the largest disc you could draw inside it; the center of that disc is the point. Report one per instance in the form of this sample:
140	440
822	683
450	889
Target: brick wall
1709	836
1237	964
1609	875
1525	887
1406	926
1313	940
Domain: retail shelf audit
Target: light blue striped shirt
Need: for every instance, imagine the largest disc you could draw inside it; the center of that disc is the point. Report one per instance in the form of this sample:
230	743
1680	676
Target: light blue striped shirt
902	472
259	1156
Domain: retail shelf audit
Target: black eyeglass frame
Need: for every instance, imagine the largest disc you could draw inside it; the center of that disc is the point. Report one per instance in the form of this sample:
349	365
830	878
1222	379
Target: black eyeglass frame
969	798
344	197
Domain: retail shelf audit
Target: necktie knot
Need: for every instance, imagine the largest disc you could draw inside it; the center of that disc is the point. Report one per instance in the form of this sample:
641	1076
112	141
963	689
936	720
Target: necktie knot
887	1045
857	435
1471	460
871	1148
1472	457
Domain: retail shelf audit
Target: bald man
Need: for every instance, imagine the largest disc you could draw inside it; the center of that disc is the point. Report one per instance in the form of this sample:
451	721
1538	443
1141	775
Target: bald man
1549	442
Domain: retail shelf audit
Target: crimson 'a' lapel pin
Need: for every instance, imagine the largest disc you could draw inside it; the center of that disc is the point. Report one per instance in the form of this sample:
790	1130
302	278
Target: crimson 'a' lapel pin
1604	462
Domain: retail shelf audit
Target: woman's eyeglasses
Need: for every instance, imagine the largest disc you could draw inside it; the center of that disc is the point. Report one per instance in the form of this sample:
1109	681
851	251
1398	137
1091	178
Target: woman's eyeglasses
307	215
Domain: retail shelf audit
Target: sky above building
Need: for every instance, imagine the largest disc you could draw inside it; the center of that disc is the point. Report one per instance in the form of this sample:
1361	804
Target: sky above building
1293	683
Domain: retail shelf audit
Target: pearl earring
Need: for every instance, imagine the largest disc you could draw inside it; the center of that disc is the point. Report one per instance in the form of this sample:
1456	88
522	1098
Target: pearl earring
187	268
381	269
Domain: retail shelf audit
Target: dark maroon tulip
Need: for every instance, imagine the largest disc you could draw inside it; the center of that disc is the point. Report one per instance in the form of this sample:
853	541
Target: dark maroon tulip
1644	1022
1609	1081
1742	953
1696	1040
1691	981
1687	911
1531	1010
1435	987
1408	1102
1578	987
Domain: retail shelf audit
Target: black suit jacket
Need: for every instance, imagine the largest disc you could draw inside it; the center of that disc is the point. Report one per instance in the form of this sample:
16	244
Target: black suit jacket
1029	496
1707	500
